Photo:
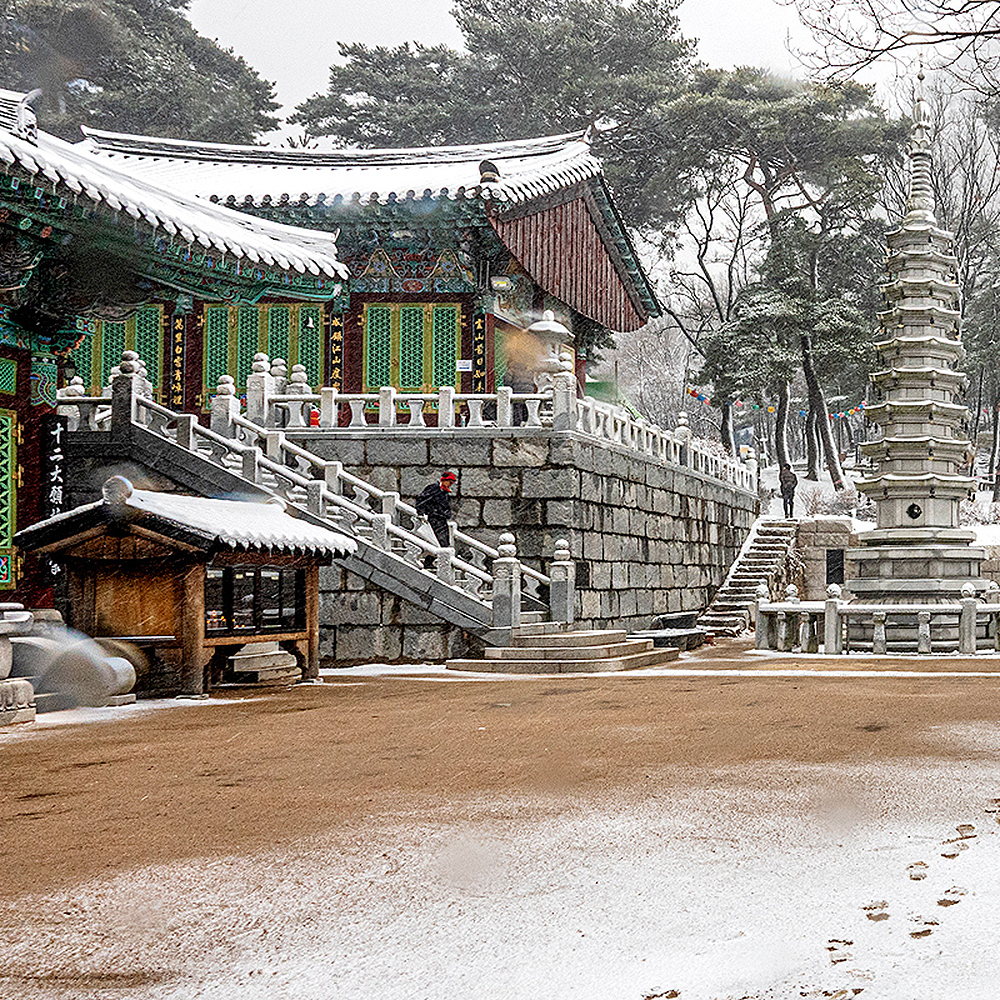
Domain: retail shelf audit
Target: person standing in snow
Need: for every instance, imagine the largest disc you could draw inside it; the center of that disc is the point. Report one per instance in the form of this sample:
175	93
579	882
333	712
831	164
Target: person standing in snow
787	481
434	503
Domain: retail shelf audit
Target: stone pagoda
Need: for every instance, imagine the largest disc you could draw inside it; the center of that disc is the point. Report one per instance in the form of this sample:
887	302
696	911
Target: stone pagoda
918	553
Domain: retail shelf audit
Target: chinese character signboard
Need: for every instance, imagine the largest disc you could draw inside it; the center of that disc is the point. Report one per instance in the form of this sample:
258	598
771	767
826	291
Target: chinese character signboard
479	383
177	363
336	350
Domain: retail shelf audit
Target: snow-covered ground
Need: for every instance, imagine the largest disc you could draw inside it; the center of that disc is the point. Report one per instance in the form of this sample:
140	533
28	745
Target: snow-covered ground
769	881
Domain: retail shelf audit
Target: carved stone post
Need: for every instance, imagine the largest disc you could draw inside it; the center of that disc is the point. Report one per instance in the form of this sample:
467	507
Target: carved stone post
506	585
967	620
298	386
328	407
761	628
225	406
564	410
924	632
126	389
446	406
260	389
791	620
682	433
562	586
878	633
833	634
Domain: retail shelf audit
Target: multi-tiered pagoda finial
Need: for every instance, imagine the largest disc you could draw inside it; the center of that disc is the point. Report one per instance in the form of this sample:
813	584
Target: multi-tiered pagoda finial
920	455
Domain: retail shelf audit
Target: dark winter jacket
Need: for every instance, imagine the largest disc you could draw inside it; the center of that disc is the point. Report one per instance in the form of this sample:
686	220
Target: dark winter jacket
434	503
787	480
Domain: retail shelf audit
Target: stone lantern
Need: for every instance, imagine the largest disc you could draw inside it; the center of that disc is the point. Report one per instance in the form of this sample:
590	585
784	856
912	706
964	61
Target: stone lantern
554	341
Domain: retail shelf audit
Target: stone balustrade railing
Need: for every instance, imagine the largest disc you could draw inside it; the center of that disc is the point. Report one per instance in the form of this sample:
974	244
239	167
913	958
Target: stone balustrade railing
274	401
837	627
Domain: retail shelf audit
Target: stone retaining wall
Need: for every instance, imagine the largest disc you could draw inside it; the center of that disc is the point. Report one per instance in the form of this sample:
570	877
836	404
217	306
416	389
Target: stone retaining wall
647	538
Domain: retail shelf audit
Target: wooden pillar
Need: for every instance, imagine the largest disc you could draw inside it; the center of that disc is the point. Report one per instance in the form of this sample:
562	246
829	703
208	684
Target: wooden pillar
190	618
311	671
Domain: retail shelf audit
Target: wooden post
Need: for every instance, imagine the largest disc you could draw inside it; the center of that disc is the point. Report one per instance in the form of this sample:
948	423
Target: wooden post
190	619
311	671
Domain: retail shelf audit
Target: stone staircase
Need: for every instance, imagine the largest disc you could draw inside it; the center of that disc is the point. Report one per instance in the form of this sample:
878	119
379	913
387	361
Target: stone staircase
761	561
555	648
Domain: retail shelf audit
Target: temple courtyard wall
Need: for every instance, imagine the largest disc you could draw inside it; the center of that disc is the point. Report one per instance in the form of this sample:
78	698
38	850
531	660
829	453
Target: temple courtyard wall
647	537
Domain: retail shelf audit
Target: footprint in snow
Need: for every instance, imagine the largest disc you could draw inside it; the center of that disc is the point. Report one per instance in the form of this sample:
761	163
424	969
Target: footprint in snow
924	927
877	910
917	870
955	845
838	949
952	896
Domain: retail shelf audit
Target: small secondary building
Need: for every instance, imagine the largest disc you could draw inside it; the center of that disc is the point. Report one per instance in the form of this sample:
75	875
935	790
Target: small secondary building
190	579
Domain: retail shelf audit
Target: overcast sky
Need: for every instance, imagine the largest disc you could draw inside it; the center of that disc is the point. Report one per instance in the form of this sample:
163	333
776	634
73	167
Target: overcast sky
293	42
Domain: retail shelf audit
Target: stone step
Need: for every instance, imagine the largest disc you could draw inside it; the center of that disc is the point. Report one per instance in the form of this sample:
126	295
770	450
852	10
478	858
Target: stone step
532	617
539	628
635	661
682	638
569	652
593	637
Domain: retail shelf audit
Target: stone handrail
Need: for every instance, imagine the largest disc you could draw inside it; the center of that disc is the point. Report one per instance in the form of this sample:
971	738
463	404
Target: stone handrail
275	402
367	496
291	484
794	625
381	409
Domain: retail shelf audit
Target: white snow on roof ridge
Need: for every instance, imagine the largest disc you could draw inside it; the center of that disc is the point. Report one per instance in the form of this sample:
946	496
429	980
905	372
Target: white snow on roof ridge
528	168
242	523
167	209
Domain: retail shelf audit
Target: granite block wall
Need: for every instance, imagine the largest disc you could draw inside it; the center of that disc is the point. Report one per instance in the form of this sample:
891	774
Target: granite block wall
647	538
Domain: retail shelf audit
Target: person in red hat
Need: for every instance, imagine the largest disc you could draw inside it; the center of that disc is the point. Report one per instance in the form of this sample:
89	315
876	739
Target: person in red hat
434	503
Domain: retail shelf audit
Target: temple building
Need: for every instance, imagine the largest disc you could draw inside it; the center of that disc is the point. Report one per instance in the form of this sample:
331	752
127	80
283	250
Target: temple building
452	252
416	268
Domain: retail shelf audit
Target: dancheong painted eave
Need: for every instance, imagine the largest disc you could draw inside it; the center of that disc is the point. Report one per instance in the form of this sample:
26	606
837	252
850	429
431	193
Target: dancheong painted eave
82	174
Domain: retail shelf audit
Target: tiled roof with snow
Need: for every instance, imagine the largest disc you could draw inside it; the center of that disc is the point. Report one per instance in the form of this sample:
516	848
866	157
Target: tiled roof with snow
168	208
242	524
235	524
526	169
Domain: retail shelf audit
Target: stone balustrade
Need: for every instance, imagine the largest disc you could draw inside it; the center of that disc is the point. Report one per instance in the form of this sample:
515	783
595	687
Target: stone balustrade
836	627
274	401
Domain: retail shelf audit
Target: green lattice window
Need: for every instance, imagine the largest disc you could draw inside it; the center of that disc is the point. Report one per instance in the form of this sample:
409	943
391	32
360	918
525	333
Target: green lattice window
499	356
445	345
279	331
112	348
247	341
310	343
216	350
148	339
233	335
378	346
8	376
411	347
8	497
104	341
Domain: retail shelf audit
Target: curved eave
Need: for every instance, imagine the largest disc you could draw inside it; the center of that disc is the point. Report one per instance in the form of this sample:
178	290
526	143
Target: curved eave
64	170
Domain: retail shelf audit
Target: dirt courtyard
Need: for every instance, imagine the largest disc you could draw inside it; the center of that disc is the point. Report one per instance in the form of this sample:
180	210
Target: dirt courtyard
623	836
